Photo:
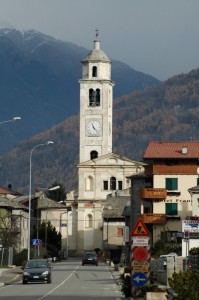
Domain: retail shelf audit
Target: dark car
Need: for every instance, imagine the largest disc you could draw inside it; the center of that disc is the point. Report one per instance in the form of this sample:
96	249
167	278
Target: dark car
37	270
90	258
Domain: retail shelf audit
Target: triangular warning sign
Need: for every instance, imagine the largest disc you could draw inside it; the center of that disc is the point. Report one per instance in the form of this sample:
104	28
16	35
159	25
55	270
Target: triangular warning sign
140	229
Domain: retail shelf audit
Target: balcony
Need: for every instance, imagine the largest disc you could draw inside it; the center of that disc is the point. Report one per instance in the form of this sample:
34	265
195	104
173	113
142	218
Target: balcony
154	218
153	193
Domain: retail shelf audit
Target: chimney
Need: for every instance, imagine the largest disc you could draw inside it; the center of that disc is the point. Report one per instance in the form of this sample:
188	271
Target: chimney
10	186
184	149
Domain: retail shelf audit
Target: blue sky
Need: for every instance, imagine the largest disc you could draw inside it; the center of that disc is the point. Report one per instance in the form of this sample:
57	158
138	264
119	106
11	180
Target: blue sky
157	37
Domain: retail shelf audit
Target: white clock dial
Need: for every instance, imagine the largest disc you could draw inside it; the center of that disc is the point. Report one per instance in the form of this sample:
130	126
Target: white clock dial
93	127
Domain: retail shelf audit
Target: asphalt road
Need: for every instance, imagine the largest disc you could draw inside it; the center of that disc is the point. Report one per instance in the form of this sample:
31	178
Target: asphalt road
70	280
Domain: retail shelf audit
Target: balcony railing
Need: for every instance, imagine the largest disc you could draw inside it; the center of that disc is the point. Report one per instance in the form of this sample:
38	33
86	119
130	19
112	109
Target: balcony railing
154	218
153	193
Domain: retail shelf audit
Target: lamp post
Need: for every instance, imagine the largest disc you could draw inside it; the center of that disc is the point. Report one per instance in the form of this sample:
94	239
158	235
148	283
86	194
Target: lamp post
30	188
12	120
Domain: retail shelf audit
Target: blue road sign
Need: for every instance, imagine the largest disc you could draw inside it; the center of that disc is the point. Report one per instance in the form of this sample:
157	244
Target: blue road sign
139	279
36	242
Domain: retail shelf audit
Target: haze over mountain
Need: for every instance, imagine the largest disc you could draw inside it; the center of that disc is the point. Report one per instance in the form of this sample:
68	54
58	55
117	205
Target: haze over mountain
168	112
39	82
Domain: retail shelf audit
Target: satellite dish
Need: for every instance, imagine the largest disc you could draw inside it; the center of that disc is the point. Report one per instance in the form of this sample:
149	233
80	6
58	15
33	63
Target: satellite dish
198	170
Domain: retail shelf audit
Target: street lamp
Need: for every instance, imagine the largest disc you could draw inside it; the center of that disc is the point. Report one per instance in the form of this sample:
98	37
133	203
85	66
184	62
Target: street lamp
30	188
12	120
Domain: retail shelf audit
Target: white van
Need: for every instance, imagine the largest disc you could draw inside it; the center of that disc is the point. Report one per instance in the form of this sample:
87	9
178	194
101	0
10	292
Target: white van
166	257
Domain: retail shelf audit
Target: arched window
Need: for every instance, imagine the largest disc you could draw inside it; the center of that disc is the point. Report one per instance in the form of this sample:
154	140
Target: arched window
91	97
89	183
113	183
89	221
94	97
97	97
94	71
93	154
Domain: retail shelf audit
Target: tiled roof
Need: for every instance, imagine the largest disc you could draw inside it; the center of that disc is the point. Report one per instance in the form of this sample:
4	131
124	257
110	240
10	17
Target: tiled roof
7	191
4	202
114	206
49	203
172	150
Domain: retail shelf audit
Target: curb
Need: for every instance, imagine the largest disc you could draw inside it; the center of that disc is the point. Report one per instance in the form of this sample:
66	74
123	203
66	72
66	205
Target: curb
13	280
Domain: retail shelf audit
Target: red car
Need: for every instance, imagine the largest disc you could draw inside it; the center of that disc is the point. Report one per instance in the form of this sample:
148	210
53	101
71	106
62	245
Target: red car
90	258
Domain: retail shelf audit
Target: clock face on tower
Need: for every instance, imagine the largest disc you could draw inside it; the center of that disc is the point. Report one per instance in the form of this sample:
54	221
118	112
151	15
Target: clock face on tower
93	127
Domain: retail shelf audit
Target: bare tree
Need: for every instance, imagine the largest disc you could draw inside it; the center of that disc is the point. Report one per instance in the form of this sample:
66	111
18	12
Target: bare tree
8	228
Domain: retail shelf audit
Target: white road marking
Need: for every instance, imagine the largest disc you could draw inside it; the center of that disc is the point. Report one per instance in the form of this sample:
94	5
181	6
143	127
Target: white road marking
50	292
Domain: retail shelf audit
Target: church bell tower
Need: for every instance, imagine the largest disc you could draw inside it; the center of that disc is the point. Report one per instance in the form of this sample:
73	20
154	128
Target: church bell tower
96	104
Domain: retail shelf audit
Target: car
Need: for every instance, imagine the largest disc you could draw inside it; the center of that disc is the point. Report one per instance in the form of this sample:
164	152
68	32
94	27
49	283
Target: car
37	270
90	258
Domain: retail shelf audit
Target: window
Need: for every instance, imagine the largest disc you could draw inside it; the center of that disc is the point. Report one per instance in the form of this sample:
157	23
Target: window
89	183
169	236
97	103
113	183
171	209
147	210
94	97
105	185
171	183
119	185
120	231
197	181
93	154
94	71
88	221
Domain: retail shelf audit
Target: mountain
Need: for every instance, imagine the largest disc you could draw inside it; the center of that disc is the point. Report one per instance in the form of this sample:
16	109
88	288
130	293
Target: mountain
168	112
39	82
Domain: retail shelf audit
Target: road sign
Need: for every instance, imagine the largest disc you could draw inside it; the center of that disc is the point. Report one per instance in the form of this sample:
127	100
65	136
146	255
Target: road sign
140	241
140	229
140	253
139	279
186	234
36	242
140	266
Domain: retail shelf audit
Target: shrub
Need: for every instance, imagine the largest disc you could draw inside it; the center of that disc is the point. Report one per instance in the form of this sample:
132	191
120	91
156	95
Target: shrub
126	285
19	259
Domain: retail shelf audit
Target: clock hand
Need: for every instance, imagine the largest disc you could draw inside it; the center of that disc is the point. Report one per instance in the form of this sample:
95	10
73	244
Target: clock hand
93	127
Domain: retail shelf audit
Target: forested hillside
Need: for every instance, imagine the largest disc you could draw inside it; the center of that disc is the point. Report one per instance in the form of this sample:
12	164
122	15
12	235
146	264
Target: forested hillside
39	82
168	113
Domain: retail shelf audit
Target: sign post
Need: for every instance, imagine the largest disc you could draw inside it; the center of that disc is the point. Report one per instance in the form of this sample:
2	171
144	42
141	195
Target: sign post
140	255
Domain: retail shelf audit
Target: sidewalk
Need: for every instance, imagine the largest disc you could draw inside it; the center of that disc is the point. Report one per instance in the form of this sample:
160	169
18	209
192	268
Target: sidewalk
10	275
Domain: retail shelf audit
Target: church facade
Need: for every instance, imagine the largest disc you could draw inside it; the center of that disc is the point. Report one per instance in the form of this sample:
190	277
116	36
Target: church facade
100	171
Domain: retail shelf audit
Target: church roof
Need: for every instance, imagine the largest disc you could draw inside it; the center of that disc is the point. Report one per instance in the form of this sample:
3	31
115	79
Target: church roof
96	54
111	159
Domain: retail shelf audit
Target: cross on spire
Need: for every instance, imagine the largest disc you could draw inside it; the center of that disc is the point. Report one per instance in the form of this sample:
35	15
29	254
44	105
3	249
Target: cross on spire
97	33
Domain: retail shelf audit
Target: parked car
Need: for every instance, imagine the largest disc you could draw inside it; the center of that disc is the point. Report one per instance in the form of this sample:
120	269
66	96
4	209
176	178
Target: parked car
90	258
37	270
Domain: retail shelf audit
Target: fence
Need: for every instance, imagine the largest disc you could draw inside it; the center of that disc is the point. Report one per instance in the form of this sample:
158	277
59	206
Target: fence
6	256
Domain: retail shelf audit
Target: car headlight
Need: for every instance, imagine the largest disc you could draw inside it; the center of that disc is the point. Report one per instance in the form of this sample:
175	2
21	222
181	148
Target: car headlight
45	273
26	273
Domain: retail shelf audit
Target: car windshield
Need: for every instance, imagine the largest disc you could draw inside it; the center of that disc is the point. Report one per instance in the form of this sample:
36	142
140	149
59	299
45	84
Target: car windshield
90	254
37	264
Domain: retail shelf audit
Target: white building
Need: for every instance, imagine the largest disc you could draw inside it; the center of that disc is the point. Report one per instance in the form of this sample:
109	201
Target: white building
100	171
